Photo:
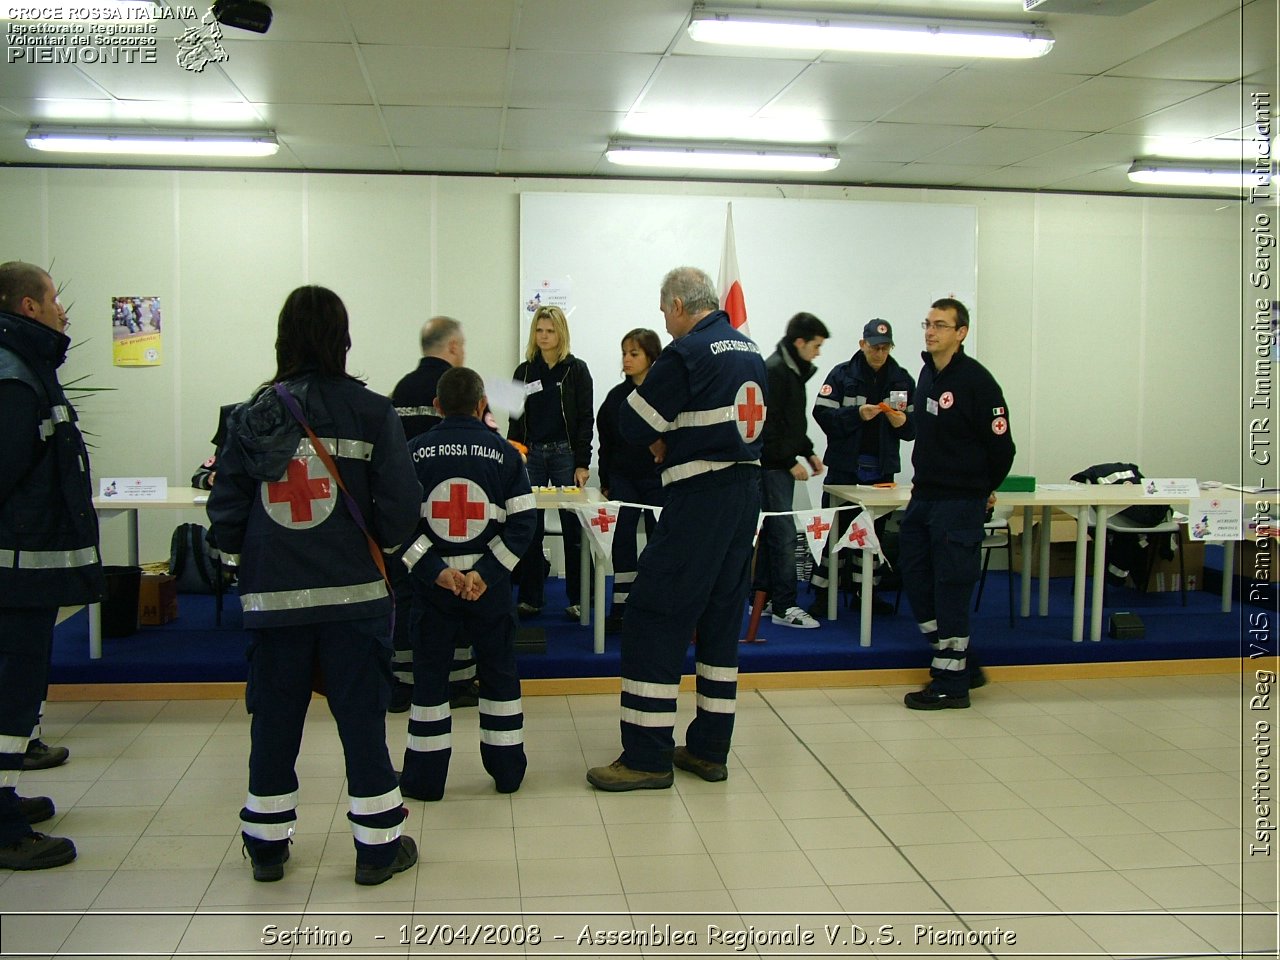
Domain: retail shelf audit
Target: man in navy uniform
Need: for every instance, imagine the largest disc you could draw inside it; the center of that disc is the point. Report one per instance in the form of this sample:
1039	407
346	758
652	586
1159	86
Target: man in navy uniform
48	540
701	409
862	436
478	517
443	347
964	449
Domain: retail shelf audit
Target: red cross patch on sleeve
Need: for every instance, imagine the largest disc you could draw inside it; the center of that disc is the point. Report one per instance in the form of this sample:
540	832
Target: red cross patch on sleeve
825	391
999	426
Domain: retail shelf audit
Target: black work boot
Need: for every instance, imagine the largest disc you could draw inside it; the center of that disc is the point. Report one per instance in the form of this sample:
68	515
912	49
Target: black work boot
41	756
406	857
36	851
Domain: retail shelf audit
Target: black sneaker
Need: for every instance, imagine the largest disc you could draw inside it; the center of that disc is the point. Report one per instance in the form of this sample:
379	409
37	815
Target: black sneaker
524	610
36	809
41	756
927	699
406	857
270	872
711	772
401	697
573	611
37	852
465	696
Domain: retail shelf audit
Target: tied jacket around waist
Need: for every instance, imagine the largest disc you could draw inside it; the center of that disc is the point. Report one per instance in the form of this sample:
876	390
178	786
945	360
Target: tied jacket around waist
48	527
303	559
705	396
478	511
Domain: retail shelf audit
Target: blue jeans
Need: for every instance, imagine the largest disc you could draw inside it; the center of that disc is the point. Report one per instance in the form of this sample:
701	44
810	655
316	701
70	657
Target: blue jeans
550	464
776	560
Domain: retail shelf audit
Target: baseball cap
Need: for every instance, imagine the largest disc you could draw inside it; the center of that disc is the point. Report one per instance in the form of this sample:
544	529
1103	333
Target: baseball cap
877	332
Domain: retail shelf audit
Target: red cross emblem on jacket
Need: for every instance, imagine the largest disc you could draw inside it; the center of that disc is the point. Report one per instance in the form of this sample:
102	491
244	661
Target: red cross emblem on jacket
457	509
749	410
303	497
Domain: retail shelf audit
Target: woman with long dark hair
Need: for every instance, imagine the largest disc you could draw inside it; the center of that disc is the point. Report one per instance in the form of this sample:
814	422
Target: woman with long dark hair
315	486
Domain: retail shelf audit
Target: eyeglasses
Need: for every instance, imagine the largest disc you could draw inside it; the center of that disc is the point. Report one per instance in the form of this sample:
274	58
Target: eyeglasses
926	325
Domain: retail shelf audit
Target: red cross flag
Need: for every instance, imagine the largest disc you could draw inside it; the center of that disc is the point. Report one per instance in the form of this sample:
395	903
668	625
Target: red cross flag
817	526
599	520
861	535
730	282
457	510
303	497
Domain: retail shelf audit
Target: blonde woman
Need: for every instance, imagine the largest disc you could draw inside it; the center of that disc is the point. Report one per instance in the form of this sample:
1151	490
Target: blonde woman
556	427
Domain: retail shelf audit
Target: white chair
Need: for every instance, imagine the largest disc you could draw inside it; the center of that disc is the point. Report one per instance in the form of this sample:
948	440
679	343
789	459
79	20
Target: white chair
1117	523
996	536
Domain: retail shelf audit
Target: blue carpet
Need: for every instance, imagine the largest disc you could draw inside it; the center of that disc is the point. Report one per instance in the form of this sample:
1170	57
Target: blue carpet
193	649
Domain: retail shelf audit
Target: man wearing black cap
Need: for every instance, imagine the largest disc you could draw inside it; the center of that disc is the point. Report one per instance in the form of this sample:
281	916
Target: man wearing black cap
862	436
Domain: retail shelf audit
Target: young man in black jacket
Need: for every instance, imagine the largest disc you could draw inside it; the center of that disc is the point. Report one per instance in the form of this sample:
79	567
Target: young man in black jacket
785	445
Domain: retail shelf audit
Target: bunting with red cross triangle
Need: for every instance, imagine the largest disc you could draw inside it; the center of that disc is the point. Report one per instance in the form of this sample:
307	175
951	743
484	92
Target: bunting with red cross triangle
599	520
817	526
861	535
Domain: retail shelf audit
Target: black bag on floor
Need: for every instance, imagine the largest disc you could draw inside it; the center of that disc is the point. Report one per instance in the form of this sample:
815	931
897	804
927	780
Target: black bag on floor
191	561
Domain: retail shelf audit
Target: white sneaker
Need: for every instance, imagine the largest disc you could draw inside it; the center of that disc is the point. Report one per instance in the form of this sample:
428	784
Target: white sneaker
796	617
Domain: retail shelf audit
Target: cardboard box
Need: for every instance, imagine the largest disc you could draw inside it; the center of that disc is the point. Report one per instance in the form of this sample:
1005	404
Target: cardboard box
157	599
1062	544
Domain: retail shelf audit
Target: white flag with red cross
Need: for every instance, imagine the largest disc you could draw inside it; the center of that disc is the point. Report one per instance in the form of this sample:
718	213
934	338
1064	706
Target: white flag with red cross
599	519
732	301
817	526
861	535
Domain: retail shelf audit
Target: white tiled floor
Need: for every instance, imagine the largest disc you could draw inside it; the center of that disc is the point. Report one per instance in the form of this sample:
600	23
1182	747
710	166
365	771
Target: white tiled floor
1044	809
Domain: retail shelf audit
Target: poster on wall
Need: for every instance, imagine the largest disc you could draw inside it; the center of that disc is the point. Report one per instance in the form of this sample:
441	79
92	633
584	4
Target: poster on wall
135	331
548	293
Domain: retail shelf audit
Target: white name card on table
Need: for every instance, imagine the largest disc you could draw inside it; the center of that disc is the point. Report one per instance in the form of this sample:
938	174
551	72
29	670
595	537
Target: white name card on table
133	488
1171	487
1214	519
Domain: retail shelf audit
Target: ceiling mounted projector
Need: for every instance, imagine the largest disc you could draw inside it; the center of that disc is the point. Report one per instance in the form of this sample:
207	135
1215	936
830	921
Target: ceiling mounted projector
243	14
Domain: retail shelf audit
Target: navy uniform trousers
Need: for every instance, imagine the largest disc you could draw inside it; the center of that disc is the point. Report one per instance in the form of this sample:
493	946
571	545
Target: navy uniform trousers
26	638
489	625
354	659
940	549
625	551
822	575
463	669
693	575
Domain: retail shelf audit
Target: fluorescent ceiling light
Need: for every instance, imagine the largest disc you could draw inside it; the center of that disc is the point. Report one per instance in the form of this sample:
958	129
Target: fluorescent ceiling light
1192	173
910	35
105	11
721	156
150	142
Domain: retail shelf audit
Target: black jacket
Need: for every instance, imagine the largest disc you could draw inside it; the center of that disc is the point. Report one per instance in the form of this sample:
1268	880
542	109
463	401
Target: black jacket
785	436
303	559
416	392
848	386
48	527
576	405
618	457
964	445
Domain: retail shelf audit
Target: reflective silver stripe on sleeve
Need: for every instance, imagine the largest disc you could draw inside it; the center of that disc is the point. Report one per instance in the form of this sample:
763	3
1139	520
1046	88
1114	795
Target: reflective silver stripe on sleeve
824	402
418	412
369	805
443	741
415	552
277	804
852	401
505	556
349	449
647	412
463	561
501	738
694	467
268	831
57	415
718	674
428	714
501	708
644	718
375	835
654	691
705	418
519	504
716	704
48	559
312	597
13	744
1120	476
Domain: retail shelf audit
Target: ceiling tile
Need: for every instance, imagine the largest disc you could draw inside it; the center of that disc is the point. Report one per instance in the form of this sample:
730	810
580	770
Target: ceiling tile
314	21
346	156
981	96
550	162
448	159
544	130
1028	178
1213	51
585	81
697	83
854	91
439	23
467	128
941	174
295	72
563	26
315	124
901	142
1207	115
1102	103
422	76
1002	145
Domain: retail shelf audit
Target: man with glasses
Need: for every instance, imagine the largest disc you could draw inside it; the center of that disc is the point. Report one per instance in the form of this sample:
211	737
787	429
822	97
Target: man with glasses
964	449
48	541
862	435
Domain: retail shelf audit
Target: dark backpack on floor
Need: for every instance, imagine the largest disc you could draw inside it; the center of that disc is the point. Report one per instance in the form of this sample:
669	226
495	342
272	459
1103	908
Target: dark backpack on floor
191	561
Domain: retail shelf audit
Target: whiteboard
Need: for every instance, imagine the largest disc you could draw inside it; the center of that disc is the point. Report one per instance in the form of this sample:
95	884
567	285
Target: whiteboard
843	261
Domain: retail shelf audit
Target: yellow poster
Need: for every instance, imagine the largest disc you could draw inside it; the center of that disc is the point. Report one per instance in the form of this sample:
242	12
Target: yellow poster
135	331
